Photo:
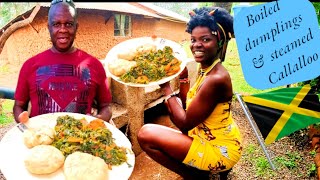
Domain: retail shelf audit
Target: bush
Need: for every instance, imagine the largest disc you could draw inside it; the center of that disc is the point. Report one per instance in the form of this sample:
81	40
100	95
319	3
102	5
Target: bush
314	83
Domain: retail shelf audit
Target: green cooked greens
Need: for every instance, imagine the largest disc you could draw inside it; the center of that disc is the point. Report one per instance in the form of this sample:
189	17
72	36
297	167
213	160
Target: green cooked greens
152	66
75	135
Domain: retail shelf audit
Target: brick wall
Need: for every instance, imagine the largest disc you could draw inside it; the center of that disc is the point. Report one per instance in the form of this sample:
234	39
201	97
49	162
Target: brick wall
26	42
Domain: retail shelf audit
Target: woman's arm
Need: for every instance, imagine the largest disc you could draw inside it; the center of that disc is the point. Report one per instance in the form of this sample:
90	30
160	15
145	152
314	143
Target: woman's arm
214	90
184	86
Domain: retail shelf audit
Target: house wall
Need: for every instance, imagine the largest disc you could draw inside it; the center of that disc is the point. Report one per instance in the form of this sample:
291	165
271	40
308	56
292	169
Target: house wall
26	42
95	35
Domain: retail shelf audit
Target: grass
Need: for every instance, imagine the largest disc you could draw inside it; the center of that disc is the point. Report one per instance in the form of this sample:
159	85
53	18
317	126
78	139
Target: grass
290	160
233	65
252	154
6	116
7	105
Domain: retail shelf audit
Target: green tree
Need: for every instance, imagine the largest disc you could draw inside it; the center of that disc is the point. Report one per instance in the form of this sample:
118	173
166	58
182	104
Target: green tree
225	5
205	4
182	8
10	10
314	83
317	9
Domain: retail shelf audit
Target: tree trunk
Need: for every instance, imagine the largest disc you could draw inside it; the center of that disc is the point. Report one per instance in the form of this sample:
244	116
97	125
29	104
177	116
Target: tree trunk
16	26
225	5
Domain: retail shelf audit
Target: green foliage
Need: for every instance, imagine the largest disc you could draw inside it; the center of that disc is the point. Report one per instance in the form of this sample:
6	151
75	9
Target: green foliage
290	164
225	5
6	115
10	10
314	83
313	153
252	154
250	149
262	166
5	119
233	65
182	8
312	170
317	9
7	105
205	4
290	160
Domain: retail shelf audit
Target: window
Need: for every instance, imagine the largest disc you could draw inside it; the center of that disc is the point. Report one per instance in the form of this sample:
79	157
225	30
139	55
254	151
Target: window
122	25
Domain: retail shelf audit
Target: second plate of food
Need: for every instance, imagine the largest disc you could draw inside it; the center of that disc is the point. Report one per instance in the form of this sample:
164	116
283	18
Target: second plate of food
145	61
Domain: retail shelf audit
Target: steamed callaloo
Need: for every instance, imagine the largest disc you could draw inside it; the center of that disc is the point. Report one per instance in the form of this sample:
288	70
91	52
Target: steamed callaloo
93	138
152	66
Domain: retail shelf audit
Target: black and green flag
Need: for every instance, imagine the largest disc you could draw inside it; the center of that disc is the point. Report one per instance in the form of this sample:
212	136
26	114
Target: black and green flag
281	112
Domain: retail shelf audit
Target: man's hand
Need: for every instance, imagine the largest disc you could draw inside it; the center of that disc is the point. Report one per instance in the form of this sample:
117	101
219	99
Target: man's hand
23	117
110	120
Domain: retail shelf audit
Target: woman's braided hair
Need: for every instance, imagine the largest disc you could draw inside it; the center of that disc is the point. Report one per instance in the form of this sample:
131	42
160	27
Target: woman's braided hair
217	19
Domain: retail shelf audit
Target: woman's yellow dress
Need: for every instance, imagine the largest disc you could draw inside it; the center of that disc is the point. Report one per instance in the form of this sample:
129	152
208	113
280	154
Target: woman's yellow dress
216	142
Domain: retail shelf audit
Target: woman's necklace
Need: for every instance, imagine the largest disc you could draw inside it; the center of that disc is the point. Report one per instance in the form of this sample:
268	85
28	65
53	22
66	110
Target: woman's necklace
199	80
204	71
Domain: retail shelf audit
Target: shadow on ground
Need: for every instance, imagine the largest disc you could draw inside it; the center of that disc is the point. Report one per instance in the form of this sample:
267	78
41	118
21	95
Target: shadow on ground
145	167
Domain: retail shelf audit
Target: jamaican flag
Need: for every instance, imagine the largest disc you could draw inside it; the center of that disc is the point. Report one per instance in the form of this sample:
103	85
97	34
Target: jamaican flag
281	112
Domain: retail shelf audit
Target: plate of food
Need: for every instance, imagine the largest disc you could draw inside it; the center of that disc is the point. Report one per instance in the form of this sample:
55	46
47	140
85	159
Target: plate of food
66	146
145	61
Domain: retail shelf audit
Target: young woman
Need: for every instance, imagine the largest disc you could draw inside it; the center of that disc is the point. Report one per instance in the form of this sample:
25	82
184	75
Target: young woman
209	139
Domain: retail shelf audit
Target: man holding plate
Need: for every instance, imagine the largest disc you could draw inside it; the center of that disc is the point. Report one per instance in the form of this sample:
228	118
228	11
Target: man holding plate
62	78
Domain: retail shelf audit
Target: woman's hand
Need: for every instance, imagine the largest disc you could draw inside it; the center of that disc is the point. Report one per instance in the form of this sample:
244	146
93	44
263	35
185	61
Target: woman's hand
184	73
165	85
166	88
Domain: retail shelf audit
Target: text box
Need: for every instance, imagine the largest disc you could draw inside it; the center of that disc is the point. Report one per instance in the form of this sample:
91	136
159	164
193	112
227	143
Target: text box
278	42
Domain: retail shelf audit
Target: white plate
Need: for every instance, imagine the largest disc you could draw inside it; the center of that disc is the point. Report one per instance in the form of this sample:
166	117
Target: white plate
13	151
178	52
